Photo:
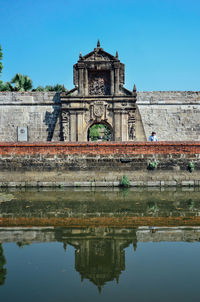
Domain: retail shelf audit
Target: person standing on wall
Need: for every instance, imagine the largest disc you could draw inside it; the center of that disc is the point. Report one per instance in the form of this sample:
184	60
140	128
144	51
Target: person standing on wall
153	137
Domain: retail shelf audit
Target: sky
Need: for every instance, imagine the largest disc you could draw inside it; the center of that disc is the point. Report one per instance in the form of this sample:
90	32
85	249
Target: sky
157	40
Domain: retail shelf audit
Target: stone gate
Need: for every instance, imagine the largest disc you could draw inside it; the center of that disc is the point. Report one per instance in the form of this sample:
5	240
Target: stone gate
99	97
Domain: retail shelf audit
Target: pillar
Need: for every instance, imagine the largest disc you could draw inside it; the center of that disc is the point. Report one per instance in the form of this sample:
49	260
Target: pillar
117	126
80	80
112	82
116	79
86	81
73	126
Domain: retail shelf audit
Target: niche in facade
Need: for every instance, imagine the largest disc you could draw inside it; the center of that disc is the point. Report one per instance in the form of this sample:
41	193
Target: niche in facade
99	82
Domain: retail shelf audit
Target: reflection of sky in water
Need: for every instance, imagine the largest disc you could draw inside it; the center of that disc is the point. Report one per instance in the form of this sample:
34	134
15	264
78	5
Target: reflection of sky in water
155	272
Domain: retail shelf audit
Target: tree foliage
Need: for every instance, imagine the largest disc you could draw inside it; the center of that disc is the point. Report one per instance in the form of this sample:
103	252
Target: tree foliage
94	132
39	88
22	82
5	86
99	131
57	88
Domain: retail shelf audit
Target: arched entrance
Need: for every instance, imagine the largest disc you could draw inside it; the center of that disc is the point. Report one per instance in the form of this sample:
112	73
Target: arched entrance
100	131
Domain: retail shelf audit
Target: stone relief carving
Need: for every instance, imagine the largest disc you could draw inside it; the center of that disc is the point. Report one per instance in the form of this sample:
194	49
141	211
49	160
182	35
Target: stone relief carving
99	83
65	123
98	109
131	125
87	116
98	56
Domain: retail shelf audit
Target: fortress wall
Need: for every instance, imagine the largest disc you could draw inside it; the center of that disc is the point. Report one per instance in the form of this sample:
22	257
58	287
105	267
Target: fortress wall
174	115
99	164
39	111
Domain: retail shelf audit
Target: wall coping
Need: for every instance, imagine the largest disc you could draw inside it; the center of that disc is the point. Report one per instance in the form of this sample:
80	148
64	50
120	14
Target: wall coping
84	144
101	148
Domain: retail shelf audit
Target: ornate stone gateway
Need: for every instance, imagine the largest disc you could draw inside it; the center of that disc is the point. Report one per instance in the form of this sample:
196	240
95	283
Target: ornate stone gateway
98	97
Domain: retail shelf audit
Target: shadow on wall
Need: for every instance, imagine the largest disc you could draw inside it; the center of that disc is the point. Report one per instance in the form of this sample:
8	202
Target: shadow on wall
52	120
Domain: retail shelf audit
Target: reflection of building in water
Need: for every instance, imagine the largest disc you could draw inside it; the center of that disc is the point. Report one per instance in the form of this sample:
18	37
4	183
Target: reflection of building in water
100	257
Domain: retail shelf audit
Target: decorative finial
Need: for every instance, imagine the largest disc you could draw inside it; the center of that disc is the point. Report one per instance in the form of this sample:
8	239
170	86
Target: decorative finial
80	55
134	88
116	55
63	90
98	44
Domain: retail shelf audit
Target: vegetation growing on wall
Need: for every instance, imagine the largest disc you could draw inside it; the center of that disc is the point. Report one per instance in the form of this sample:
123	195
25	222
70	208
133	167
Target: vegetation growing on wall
152	165
191	167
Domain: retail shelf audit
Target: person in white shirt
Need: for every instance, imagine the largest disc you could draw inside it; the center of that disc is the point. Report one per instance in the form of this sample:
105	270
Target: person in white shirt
152	137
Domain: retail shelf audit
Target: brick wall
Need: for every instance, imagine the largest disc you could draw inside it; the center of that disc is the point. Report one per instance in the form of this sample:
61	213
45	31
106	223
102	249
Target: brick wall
107	148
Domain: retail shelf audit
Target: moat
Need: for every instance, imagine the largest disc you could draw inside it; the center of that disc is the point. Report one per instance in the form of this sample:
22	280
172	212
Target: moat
102	244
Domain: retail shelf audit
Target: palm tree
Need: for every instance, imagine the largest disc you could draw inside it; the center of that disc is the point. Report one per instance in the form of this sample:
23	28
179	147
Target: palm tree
22	82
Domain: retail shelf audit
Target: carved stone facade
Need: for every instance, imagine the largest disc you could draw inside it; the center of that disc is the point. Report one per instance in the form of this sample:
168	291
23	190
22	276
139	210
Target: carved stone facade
98	97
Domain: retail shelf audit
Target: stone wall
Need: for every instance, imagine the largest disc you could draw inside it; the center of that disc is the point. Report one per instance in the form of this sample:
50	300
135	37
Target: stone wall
174	115
39	111
99	164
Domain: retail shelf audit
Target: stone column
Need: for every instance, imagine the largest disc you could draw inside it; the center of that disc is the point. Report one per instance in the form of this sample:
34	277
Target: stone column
73	126
86	81
116	79
112	82
81	79
117	126
125	127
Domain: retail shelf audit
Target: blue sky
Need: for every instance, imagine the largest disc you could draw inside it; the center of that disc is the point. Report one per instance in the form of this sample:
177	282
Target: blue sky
158	40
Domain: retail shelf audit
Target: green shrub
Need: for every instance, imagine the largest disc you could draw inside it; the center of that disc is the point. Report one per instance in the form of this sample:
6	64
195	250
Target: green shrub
124	182
191	167
152	165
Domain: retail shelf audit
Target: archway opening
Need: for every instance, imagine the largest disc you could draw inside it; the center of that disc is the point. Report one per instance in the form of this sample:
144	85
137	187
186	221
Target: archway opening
99	132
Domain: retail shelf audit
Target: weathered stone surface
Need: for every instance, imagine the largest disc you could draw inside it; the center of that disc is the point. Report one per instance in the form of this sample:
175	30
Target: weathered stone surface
174	115
38	111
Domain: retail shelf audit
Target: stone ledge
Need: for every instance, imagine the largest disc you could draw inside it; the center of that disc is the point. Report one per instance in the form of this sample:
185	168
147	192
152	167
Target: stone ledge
189	183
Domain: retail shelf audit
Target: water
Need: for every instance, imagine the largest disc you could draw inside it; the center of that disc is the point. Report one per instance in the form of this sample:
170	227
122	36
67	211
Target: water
74	245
